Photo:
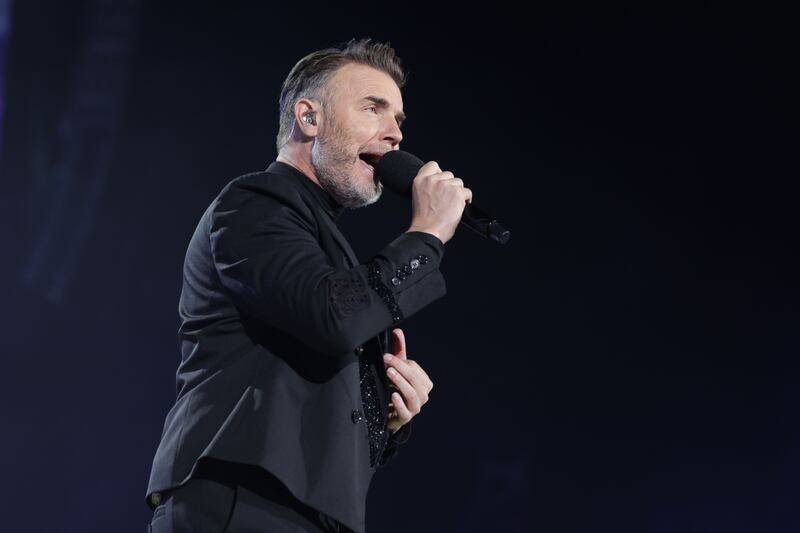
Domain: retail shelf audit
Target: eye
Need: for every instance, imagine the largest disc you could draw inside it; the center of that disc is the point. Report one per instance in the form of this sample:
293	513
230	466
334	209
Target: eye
374	108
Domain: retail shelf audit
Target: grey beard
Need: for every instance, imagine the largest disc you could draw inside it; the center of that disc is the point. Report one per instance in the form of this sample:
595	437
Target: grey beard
326	160
346	192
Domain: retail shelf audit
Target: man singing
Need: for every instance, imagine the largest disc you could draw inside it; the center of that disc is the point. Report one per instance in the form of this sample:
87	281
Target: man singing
294	383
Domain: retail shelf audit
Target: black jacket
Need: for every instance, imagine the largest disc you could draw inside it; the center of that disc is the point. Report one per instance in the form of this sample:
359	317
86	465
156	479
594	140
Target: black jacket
276	311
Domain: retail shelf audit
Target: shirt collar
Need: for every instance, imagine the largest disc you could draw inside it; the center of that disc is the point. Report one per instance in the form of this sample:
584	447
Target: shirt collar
324	198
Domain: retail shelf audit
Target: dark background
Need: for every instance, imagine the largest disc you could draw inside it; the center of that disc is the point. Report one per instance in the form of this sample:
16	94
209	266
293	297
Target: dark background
626	363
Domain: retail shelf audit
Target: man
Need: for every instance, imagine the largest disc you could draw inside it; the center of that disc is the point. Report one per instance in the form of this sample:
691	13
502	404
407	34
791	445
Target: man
289	345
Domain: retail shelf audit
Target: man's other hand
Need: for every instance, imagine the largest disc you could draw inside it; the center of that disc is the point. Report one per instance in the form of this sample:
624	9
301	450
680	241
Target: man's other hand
412	385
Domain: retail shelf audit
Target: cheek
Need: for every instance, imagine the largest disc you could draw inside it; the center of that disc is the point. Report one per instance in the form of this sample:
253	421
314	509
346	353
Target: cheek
363	129
356	133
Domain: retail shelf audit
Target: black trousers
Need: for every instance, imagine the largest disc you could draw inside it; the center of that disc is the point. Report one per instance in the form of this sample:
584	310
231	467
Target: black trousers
230	498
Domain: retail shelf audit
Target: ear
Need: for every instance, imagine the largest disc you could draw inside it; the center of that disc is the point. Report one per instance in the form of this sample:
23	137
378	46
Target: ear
303	109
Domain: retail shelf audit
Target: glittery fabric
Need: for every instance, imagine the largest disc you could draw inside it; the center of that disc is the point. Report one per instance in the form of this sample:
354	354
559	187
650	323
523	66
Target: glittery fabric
375	281
377	432
376	423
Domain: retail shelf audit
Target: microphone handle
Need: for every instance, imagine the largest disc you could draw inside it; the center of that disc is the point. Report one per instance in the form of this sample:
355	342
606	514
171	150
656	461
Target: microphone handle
484	224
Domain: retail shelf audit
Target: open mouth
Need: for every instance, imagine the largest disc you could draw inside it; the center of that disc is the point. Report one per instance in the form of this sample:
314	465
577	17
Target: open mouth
370	160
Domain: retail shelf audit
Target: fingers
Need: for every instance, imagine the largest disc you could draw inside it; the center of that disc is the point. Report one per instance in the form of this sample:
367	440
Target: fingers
408	392
415	375
458	182
411	381
432	171
468	197
451	179
412	385
398	343
401	410
431	167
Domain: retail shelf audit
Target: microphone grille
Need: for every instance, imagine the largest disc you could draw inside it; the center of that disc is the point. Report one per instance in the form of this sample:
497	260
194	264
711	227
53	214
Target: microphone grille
397	170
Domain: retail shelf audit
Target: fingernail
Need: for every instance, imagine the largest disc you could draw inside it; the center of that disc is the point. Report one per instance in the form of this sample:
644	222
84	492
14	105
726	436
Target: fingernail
387	357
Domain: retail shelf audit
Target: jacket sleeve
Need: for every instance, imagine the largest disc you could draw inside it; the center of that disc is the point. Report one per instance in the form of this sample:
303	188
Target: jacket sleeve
395	440
265	249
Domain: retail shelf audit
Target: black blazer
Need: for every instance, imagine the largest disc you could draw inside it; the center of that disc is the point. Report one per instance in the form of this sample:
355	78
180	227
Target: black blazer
274	318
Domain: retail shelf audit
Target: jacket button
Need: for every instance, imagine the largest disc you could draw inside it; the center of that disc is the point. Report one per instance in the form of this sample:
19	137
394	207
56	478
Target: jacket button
414	264
395	282
357	416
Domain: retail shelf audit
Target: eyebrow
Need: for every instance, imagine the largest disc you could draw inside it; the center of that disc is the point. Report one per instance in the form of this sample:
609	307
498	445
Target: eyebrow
383	102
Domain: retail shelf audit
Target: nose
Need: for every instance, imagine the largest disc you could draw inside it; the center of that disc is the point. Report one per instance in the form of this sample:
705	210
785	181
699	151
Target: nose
391	132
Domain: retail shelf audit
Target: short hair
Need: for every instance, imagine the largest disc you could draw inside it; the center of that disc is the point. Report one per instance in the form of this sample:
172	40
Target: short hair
310	76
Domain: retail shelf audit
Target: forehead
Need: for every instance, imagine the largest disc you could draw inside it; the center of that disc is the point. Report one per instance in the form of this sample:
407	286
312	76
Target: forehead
354	82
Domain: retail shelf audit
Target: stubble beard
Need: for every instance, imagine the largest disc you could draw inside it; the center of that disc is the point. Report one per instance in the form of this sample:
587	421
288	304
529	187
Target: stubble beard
337	173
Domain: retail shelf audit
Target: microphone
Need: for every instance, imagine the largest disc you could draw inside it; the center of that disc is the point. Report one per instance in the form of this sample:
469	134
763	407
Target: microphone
397	170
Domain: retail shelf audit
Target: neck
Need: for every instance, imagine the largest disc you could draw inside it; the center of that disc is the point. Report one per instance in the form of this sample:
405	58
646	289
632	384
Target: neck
300	158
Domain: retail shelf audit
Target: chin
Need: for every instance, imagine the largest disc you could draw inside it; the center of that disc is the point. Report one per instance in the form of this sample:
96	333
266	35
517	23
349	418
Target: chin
368	199
375	197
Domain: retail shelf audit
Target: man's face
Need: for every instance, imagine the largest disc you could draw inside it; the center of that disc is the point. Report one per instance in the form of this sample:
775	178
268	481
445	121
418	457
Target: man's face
361	121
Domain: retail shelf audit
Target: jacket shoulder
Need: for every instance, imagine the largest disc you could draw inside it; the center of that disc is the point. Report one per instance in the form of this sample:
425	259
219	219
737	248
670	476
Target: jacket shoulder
263	183
261	192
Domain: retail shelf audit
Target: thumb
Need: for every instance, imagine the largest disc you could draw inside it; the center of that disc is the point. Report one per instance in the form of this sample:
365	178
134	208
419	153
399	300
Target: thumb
398	343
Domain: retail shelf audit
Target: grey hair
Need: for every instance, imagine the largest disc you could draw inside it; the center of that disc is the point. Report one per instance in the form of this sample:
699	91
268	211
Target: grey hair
310	76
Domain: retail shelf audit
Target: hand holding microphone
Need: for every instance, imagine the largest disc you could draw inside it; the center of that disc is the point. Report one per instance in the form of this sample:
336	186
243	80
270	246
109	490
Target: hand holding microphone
439	200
